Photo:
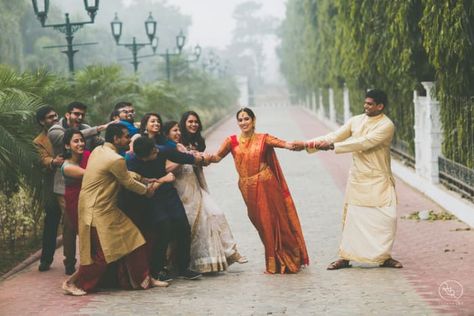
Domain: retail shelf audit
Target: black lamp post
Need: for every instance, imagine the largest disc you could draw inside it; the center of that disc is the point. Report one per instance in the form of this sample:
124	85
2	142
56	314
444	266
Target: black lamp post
213	62
196	54
150	29
193	58
167	54
68	28
180	41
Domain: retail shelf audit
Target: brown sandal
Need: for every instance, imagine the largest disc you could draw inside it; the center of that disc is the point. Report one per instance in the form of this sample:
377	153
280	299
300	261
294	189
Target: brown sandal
339	264
391	263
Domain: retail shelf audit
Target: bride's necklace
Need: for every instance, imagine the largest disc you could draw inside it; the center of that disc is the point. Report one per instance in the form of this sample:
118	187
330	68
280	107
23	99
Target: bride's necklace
245	139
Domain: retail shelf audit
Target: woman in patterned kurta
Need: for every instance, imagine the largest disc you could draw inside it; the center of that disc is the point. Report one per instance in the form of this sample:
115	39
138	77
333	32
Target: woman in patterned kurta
270	206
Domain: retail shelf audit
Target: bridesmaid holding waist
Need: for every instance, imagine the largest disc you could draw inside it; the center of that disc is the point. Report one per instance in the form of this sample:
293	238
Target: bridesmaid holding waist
73	170
269	203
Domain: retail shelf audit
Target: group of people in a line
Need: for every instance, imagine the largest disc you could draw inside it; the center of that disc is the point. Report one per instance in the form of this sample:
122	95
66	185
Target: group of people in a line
139	201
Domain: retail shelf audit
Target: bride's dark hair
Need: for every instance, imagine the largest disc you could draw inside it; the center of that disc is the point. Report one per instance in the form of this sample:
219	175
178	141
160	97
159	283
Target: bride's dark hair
246	110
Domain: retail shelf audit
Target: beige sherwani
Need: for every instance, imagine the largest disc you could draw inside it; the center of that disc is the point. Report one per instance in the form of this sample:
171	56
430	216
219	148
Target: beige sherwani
370	200
106	172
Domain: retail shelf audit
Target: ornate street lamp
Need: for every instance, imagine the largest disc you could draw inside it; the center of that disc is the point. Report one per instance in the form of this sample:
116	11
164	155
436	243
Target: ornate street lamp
91	7
180	41
116	26
68	28
195	55
197	51
214	62
41	10
150	28
214	66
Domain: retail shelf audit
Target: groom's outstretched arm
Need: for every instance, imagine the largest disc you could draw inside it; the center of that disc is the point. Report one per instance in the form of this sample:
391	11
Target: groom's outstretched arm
382	135
325	142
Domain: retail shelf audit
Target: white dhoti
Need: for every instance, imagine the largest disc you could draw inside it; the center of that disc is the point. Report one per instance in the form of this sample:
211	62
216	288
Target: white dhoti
368	232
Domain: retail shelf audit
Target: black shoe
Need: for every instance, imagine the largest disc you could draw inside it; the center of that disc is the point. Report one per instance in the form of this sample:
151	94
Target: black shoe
165	276
44	266
190	275
69	270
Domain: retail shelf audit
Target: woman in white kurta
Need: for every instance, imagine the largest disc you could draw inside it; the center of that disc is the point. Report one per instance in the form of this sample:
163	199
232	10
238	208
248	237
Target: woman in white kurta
213	247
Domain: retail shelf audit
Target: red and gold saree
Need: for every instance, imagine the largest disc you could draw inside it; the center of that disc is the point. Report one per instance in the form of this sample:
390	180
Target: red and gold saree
270	206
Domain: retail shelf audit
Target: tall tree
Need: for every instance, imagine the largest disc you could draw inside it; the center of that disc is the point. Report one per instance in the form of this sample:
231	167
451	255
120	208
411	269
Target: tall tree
11	46
249	37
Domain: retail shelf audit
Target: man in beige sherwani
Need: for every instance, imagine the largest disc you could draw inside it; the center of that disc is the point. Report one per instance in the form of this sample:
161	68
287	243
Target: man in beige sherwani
106	234
369	220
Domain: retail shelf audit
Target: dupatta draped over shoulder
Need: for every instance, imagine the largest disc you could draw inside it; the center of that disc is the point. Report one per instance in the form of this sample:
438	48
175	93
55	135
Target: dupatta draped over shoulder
269	202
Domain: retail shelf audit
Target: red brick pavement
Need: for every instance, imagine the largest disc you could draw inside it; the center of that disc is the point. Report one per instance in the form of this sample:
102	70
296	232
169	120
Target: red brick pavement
31	292
432	252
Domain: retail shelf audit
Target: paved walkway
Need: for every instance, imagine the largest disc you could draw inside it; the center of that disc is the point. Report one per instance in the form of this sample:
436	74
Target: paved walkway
432	252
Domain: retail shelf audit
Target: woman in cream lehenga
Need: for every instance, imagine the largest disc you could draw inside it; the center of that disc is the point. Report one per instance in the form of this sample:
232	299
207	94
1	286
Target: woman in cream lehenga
213	247
269	203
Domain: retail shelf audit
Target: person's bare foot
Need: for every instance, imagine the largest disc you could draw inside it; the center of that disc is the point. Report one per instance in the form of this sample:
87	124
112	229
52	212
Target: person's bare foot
158	283
72	289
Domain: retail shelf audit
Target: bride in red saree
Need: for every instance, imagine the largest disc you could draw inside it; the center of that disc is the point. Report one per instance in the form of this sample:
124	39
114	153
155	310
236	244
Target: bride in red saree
270	205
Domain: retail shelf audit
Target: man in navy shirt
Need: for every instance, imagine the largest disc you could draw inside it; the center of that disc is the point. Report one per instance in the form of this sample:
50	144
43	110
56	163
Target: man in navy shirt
163	217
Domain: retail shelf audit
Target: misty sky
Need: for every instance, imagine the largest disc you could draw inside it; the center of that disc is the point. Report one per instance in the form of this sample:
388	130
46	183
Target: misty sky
212	19
212	25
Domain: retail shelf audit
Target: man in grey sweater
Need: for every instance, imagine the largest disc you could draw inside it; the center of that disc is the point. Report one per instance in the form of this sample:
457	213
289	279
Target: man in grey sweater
73	118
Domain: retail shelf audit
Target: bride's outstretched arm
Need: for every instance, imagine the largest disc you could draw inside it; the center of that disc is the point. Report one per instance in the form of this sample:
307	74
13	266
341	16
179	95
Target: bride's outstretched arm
278	143
224	149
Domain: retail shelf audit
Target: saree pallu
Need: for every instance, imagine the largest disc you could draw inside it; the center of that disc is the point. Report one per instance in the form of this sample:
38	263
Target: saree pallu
270	205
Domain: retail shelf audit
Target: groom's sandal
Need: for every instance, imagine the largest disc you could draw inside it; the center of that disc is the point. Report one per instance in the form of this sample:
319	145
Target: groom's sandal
339	264
391	263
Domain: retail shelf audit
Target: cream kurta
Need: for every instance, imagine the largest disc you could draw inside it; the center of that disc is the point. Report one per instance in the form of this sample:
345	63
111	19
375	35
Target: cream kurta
106	172
370	177
370	200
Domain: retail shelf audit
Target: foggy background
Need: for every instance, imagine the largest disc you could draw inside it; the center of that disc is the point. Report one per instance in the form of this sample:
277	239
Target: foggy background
242	33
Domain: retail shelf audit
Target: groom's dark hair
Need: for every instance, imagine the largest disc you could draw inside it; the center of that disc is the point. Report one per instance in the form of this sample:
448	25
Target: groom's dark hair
113	130
143	146
379	96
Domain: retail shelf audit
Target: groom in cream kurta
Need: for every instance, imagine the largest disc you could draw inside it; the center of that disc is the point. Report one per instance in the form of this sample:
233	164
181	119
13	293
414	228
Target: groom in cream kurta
369	219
